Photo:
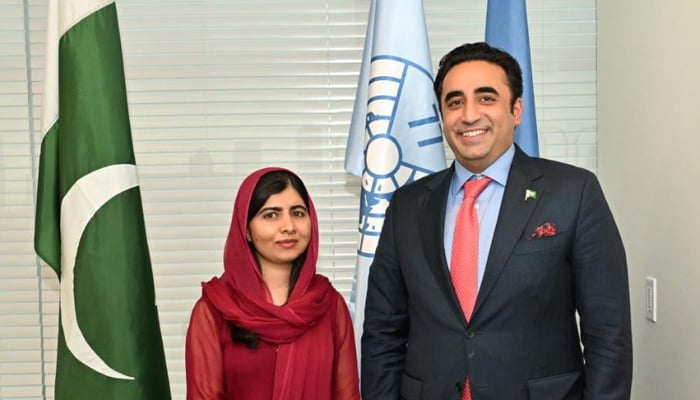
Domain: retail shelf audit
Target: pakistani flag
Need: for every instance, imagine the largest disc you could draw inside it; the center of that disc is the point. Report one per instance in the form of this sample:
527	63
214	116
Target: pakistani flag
89	219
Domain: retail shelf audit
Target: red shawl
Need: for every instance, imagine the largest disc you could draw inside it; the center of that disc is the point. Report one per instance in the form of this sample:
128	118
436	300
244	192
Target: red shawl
241	296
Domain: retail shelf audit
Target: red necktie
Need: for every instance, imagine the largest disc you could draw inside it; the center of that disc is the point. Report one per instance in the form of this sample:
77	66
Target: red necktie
464	261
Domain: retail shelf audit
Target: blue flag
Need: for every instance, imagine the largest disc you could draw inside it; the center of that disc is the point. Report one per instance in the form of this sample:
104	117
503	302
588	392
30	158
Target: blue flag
395	135
506	29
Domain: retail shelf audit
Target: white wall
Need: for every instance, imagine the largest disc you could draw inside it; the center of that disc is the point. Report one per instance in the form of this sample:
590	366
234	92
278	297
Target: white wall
649	165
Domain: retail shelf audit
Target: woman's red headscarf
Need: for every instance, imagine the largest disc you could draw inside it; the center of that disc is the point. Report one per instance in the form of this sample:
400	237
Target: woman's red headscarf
242	297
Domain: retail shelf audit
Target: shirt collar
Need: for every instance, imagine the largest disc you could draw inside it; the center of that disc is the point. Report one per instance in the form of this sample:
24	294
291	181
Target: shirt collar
498	171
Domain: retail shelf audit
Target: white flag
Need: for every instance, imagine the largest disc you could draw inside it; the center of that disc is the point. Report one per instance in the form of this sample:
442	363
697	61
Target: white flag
395	135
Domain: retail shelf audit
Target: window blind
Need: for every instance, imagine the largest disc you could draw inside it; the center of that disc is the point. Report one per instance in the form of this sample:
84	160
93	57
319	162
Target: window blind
20	306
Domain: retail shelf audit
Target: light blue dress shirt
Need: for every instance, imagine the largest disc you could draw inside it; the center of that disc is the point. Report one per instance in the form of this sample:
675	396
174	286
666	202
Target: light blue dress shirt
488	204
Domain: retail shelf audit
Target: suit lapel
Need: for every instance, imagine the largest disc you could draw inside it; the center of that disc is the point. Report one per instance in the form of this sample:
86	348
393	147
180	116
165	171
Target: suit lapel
513	216
432	217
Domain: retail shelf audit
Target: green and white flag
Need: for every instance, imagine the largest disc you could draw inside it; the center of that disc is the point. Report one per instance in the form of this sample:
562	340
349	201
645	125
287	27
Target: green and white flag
89	219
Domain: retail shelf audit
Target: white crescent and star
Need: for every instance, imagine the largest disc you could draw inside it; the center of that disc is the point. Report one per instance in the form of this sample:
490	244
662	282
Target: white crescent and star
78	207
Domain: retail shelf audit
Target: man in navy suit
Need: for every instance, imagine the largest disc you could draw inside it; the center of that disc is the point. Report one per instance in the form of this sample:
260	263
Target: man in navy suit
549	249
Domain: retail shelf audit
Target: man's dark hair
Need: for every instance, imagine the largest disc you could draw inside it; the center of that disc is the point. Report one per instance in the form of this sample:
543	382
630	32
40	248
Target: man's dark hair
481	51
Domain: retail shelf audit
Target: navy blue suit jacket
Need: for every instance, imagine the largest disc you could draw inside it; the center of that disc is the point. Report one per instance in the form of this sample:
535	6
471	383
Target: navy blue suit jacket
523	340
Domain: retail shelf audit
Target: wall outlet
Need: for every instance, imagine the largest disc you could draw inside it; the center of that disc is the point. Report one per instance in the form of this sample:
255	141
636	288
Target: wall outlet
651	296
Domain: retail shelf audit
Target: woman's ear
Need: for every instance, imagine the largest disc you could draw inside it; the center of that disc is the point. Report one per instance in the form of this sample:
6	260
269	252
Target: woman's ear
247	235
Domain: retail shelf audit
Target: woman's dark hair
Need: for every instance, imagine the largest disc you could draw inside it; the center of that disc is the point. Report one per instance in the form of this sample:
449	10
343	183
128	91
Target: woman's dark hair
481	51
269	184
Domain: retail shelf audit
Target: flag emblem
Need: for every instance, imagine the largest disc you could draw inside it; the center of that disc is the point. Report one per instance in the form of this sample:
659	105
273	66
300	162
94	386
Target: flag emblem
398	130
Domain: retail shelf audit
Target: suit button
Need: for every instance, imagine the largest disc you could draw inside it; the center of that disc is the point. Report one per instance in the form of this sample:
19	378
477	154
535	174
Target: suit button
470	334
470	354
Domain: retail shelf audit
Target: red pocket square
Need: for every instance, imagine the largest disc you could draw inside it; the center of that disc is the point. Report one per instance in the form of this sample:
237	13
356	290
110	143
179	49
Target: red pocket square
545	230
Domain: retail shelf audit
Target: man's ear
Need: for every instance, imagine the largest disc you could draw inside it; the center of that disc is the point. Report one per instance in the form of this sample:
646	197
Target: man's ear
517	111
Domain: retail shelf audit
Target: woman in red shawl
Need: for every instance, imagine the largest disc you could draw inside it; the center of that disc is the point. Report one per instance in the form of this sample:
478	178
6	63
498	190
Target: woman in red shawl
270	327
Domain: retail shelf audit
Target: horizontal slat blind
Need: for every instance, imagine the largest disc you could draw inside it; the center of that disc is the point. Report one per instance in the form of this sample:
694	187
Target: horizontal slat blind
255	84
216	89
20	306
563	41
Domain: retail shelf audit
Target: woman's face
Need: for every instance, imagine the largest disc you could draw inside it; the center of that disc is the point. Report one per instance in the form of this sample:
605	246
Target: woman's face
281	230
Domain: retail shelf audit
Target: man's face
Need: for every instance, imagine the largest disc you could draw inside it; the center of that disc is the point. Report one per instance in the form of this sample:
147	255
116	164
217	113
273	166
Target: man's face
478	122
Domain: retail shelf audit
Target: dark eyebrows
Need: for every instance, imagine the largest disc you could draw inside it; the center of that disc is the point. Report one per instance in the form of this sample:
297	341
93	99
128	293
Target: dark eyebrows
279	209
479	90
486	89
266	209
299	207
452	94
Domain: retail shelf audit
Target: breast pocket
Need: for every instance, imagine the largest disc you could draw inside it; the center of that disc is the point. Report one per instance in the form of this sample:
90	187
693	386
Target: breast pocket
545	244
536	268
